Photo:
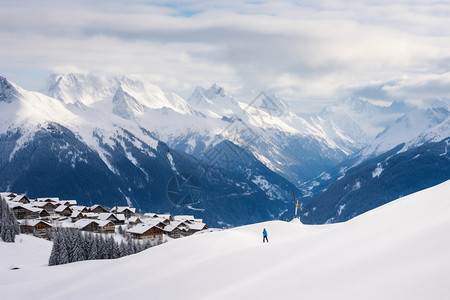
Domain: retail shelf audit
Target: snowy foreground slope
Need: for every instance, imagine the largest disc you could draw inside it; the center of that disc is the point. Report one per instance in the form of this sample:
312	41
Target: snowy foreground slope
397	251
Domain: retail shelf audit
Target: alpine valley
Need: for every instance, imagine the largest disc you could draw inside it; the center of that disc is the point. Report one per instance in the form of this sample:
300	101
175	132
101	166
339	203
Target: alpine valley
123	141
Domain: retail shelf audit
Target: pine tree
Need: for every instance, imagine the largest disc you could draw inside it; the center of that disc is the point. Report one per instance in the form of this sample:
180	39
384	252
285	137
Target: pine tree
63	253
93	253
76	251
130	247
9	226
122	249
54	255
104	247
147	245
115	249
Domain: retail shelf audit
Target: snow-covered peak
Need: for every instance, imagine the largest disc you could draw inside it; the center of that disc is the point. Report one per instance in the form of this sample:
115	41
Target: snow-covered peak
8	91
214	91
215	102
125	106
360	119
90	90
413	128
80	88
276	104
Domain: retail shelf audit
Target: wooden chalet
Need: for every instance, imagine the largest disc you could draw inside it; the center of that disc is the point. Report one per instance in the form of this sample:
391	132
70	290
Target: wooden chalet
79	208
106	226
25	211
37	227
86	225
76	215
91	215
98	209
134	220
146	232
68	202
48	206
44	214
196	226
20	199
48	199
176	230
127	211
63	210
109	217
121	218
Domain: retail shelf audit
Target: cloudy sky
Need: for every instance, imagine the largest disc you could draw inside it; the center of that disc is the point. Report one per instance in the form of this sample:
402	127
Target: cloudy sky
310	53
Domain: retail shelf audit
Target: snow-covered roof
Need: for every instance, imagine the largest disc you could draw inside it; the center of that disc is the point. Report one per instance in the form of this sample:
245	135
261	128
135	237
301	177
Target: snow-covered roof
133	219
75	213
18	198
78	207
70	202
121	209
61	208
176	224
91	215
46	199
120	217
83	223
165	216
25	206
151	215
33	222
183	217
104	223
141	228
197	226
96	206
156	220
105	216
40	204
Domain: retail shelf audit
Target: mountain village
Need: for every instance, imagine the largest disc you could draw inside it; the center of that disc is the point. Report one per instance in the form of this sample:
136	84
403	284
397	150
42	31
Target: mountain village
39	216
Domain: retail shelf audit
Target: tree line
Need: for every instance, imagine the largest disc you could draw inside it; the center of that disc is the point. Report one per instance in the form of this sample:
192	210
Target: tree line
72	245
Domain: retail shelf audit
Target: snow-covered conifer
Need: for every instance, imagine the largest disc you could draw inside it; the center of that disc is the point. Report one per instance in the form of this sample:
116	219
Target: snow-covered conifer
93	253
54	255
9	226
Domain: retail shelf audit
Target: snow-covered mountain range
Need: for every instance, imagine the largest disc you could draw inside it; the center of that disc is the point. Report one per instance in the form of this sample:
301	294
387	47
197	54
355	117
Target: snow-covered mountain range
122	140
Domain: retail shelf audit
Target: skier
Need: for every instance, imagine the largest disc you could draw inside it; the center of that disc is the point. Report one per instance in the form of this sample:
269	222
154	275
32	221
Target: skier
265	236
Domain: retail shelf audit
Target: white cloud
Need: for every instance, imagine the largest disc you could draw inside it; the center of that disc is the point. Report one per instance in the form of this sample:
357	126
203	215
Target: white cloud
310	53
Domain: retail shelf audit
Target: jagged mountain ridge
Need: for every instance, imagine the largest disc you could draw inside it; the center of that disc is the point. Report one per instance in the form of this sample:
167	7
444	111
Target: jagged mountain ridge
269	128
77	151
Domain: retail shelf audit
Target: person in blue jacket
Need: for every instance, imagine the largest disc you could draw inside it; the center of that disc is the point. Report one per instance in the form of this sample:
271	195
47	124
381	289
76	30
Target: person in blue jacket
265	236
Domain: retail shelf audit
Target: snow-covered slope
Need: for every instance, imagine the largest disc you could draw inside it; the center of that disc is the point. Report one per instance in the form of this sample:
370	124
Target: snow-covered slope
397	251
26	253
